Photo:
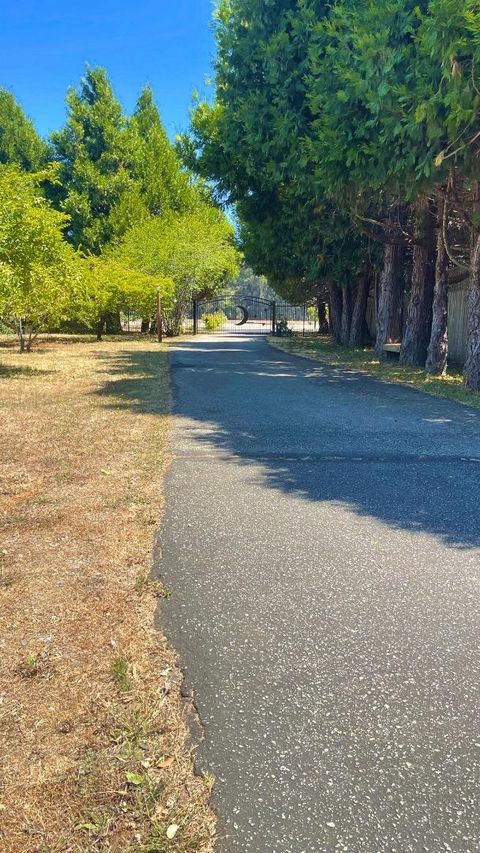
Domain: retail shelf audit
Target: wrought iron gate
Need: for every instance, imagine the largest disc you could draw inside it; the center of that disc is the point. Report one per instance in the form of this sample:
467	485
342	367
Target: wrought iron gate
244	314
234	315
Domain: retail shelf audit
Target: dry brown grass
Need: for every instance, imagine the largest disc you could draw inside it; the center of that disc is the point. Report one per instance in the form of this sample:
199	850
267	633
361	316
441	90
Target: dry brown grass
93	740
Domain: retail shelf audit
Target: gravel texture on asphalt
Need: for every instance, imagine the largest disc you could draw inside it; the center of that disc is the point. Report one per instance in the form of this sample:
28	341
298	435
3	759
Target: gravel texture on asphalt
321	544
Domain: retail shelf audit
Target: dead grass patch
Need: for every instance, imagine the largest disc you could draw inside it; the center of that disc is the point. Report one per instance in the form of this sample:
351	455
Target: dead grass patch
93	738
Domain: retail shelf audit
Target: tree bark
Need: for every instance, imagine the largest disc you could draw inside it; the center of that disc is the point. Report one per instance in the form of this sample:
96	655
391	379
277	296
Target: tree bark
19	330
322	316
346	316
438	347
357	327
418	326
100	326
471	371
113	324
392	283
335	312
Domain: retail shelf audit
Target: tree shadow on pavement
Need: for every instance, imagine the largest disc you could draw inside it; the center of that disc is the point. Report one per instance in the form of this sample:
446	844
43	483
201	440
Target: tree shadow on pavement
408	459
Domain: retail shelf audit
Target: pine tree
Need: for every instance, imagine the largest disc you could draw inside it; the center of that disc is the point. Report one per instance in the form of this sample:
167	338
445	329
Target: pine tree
164	185
98	191
20	143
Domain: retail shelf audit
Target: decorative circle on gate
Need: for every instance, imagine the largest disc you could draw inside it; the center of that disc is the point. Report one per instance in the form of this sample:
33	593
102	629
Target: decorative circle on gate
245	315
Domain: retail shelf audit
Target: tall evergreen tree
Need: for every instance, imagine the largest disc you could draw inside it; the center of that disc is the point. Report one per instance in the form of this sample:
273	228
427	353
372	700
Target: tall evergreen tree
20	143
97	189
164	185
250	142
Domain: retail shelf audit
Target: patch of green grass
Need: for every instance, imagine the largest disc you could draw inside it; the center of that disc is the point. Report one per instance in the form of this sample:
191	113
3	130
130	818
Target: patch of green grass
8	371
155	587
136	500
120	672
98	825
364	360
133	728
33	665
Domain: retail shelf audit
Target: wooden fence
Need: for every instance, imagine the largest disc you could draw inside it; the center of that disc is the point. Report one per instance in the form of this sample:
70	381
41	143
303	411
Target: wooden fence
457	318
457	322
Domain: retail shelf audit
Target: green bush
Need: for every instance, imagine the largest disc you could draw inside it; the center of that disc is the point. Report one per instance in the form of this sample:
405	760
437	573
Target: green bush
214	320
281	328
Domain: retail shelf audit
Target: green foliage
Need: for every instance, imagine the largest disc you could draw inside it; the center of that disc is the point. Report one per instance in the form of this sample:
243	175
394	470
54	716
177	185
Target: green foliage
338	100
249	284
448	61
41	280
120	672
44	283
163	183
125	218
194	249
213	321
282	329
115	170
360	83
98	191
250	142
19	141
112	287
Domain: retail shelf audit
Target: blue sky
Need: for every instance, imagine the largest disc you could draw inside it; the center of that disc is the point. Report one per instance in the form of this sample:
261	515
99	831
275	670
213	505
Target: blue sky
46	45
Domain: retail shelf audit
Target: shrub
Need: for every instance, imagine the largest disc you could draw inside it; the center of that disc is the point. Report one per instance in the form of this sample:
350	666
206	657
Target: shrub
214	320
281	328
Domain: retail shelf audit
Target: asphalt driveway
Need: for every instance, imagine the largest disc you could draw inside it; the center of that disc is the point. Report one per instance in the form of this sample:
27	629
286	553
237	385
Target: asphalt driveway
322	548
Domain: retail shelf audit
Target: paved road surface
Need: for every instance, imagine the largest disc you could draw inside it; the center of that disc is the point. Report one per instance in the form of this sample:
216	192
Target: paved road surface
321	544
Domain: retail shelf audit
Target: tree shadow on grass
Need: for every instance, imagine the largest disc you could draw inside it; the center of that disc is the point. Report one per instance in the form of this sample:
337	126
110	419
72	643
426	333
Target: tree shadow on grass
142	382
407	459
9	371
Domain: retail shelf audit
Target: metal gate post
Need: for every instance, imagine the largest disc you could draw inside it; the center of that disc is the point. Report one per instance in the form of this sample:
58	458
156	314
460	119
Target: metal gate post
274	317
159	318
195	317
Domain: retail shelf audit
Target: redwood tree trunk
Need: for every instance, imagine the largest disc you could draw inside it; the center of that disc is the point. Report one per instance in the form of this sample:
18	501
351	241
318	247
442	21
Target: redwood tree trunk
419	316
335	313
471	371
357	327
346	316
322	316
392	284
438	346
